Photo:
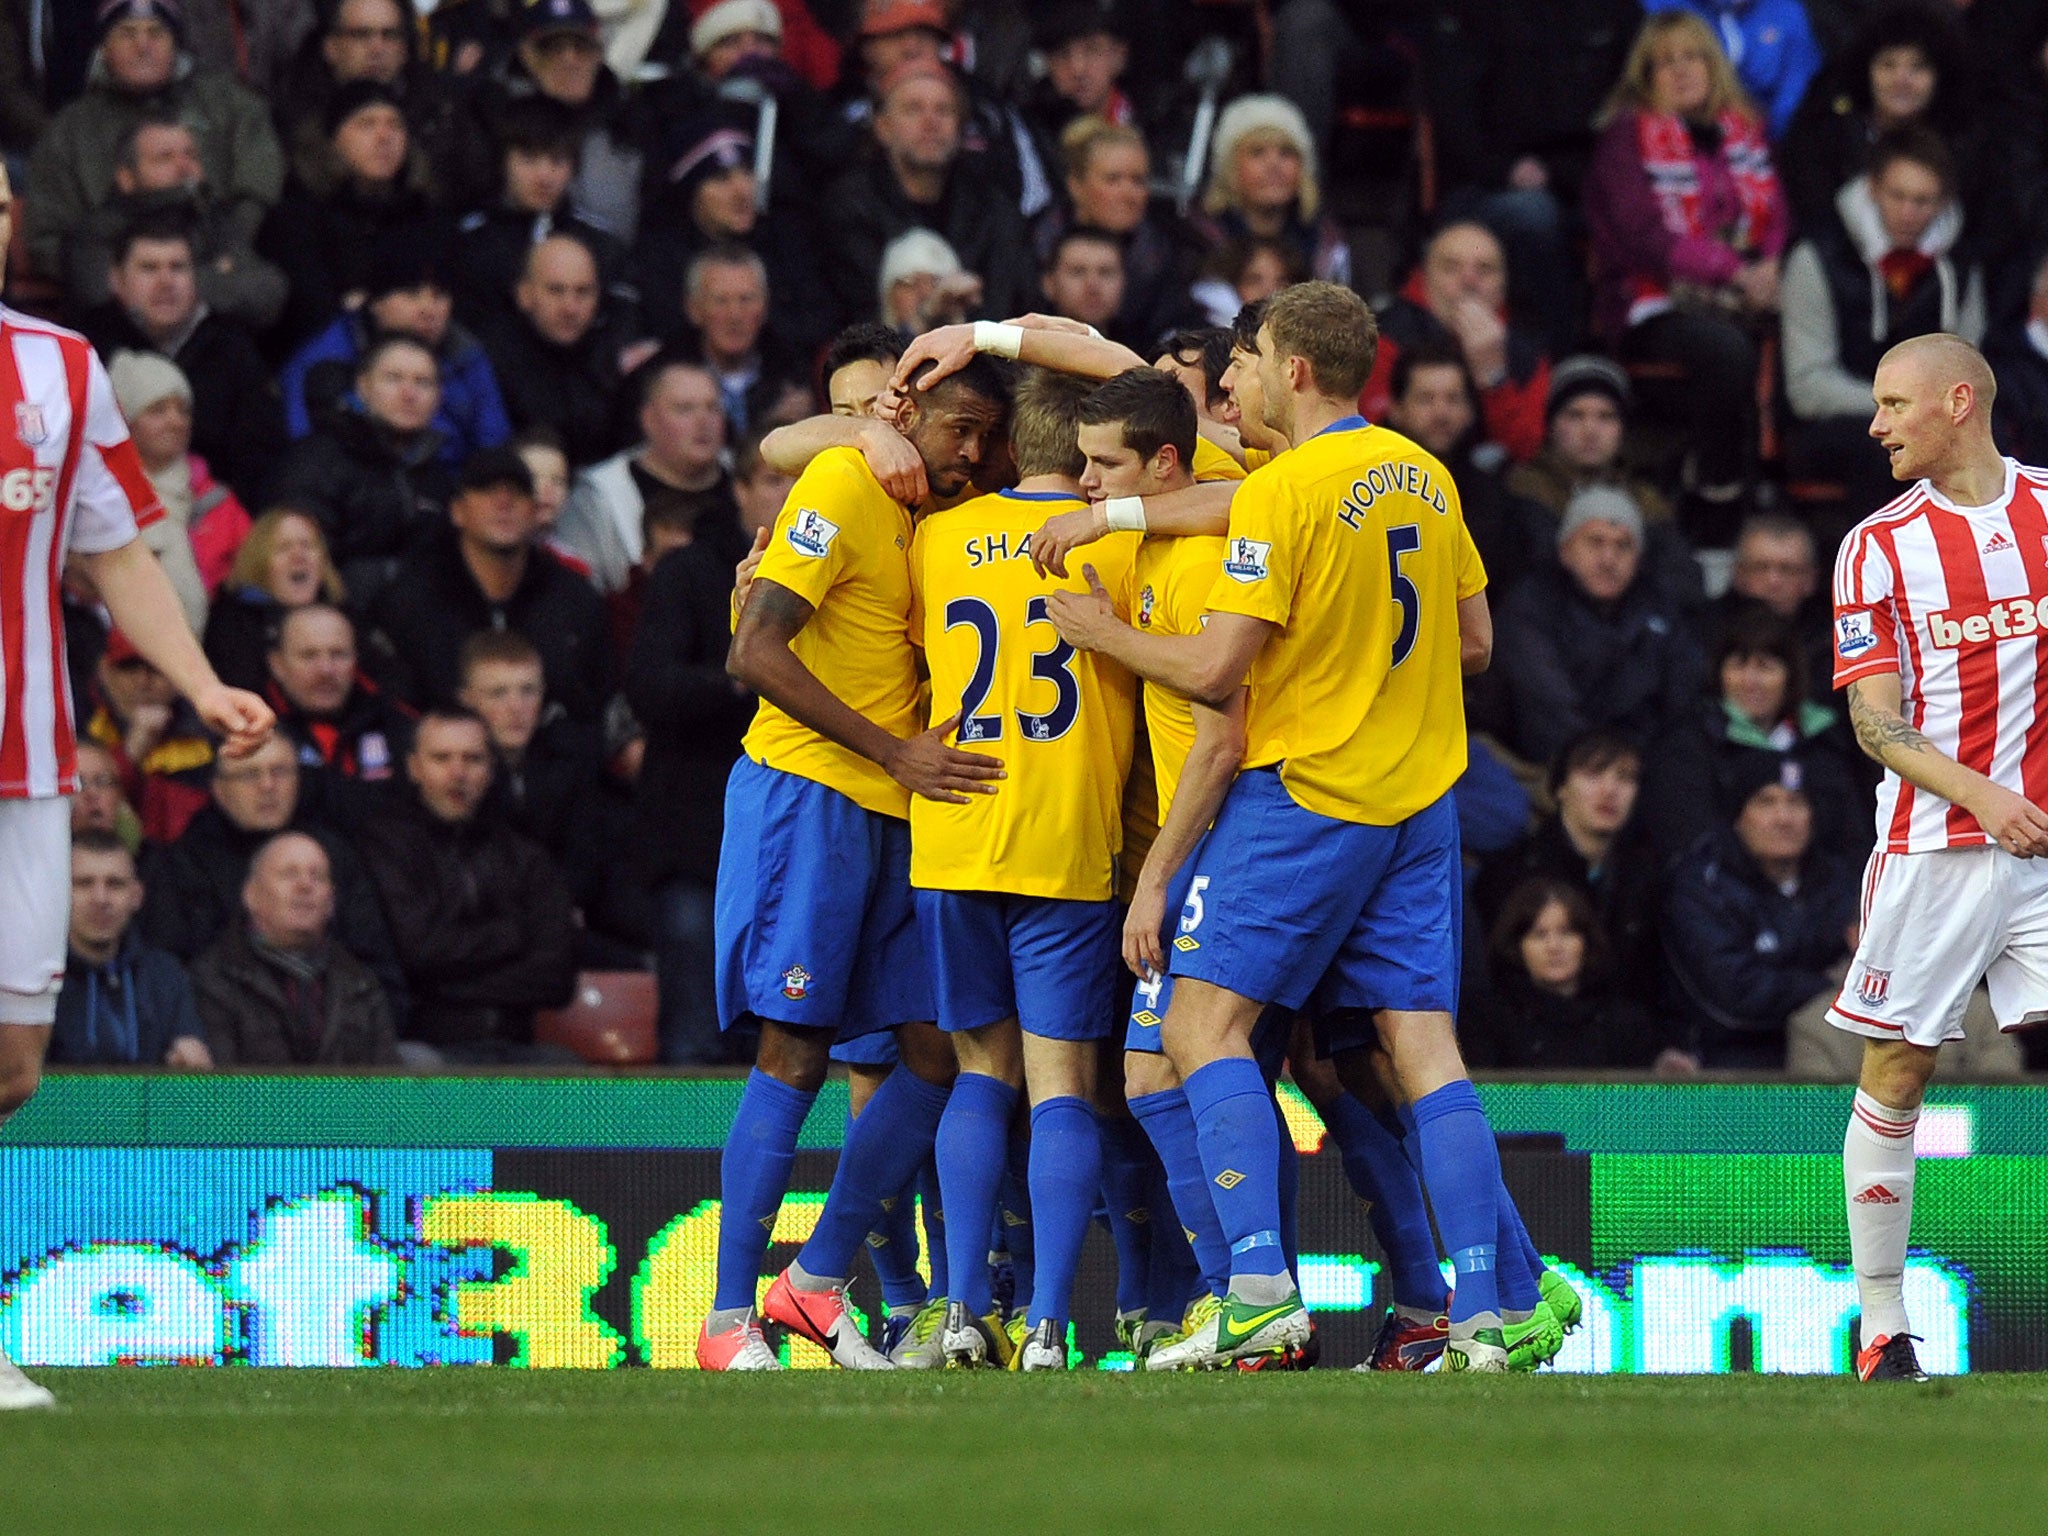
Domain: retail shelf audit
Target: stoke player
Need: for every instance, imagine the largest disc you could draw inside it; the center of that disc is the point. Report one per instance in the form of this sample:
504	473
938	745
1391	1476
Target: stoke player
1353	611
71	486
1016	893
816	934
1941	639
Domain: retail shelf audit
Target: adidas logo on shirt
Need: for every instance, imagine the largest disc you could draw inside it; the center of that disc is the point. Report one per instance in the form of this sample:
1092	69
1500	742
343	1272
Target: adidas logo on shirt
1997	542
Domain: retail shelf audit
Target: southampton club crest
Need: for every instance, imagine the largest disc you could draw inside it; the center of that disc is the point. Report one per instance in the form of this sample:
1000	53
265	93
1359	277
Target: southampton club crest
1875	987
796	983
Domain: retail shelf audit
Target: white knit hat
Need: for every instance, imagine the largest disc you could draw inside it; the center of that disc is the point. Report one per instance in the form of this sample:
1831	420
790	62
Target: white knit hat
141	379
1250	114
912	254
730	16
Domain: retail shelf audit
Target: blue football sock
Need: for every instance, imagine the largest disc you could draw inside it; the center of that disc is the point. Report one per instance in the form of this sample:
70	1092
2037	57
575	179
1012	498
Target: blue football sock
883	1149
1241	1160
1171	1126
1511	1222
933	1210
1016	1233
1377	1166
753	1176
970	1149
1290	1187
1128	1165
892	1249
1518	1289
1066	1175
1461	1169
1173	1274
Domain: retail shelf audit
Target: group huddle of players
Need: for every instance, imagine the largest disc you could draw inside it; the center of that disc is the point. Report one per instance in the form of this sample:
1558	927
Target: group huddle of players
1008	800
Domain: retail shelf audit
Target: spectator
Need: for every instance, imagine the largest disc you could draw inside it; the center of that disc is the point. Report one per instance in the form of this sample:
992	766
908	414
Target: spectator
680	458
195	884
540	450
1512	91
483	922
1199	356
276	988
1758	923
922	284
1770	43
1593	643
349	735
559	55
125	1002
1084	47
202	520
1108	171
1084	280
1459	294
237	418
544	769
1887	268
370	474
2018	353
726	303
157	171
138	72
373	40
159	747
363	184
1687	221
255	43
1242	272
1776	571
555	364
1760	704
1553	1005
480	572
537	144
98	806
408	290
917	180
1262	185
1591	843
1904	69
282	564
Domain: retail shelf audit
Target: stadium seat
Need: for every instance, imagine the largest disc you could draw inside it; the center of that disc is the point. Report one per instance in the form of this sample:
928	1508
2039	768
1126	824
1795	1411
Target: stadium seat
609	1022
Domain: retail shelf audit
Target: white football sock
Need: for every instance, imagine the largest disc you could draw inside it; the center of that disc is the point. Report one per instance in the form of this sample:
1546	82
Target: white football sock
1877	1168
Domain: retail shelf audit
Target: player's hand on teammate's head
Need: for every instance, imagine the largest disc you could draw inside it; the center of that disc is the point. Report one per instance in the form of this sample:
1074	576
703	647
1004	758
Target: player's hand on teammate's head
926	765
1065	532
951	347
1143	952
1085	620
241	719
898	465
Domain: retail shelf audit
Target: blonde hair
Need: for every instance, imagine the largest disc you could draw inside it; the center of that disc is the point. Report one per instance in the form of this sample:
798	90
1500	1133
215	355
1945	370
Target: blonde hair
1084	136
1255	119
252	560
1636	89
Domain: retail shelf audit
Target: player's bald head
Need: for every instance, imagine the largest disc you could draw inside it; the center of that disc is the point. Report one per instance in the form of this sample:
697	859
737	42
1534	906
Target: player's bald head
1938	362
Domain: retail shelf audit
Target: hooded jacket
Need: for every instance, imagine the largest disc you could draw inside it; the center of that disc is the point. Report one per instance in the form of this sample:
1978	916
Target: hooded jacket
124	1013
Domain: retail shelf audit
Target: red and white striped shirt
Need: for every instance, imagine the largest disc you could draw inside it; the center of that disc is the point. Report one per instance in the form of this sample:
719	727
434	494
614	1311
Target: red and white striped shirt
1955	601
70	480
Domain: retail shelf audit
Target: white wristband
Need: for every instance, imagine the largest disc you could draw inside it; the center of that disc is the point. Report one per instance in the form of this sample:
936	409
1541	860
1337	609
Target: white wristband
1094	333
1124	514
994	336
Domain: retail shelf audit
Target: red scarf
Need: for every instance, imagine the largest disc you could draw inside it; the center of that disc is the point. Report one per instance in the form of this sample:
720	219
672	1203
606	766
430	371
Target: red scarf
1671	162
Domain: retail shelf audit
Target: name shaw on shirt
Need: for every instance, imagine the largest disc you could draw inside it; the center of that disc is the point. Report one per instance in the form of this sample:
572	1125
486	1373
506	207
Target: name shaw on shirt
988	548
1404	478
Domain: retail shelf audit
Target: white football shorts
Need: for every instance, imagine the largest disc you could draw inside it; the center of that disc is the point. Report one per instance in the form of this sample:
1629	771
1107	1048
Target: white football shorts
35	906
1933	925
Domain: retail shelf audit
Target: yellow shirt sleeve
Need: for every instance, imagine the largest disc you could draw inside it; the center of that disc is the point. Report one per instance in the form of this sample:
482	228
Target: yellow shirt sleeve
805	551
1262	557
1471	569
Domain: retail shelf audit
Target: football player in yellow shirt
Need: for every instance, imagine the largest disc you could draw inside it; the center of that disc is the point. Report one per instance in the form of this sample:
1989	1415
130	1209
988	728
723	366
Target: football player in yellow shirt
1016	893
1352	602
816	934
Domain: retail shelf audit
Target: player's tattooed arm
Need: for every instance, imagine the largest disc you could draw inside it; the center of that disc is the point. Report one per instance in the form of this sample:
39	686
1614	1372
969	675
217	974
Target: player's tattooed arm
762	659
1876	712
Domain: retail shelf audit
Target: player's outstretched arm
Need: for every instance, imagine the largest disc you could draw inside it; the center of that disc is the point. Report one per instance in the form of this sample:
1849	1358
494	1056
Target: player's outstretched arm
789	451
147	611
2016	823
1191	510
1208	667
1043	341
1204	780
762	659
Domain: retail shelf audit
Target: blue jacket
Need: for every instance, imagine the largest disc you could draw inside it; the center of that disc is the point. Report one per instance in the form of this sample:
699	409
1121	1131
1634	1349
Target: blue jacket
127	1011
472	413
1770	43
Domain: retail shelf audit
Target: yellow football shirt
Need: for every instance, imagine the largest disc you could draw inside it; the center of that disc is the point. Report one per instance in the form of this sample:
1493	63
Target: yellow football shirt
1354	544
1060	719
1213	463
841	544
1174	579
1257	458
1141	817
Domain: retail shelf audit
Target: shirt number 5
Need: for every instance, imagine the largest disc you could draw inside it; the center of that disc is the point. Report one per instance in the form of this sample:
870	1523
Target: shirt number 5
1404	539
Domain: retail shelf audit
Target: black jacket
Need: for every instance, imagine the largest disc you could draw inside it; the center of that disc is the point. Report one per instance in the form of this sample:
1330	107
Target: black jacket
124	1013
195	894
1521	1026
1692	778
350	762
1626	893
1744	954
692	712
491	250
238	632
798	305
433	604
373	496
1161	257
237	412
252	1009
573	389
1572	664
324	244
482	920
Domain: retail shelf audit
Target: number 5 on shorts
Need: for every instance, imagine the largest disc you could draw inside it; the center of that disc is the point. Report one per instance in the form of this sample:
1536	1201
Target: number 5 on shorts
1191	914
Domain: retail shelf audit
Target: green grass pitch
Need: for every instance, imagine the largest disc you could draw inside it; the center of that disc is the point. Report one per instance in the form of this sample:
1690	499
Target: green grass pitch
497	1452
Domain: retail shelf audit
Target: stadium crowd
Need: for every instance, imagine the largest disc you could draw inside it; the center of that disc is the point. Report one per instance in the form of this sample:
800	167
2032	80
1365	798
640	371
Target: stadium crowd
468	347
